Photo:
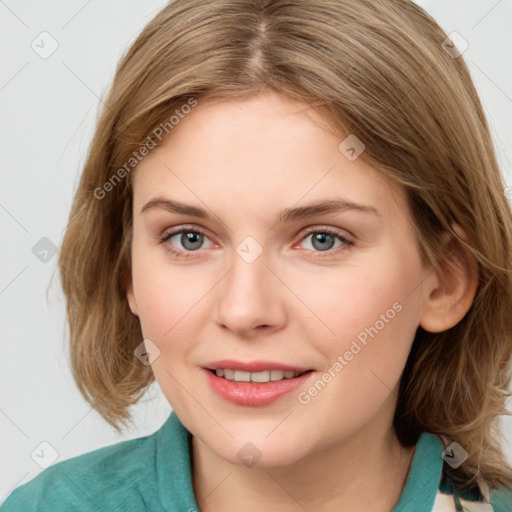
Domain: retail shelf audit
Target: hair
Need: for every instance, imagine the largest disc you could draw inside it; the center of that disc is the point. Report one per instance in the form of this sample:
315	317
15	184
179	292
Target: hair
378	69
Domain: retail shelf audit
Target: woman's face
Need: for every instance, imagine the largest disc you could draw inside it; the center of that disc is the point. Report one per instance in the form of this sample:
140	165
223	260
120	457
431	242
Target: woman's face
247	279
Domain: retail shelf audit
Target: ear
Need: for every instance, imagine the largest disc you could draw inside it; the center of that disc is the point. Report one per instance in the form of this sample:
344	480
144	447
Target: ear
131	298
450	290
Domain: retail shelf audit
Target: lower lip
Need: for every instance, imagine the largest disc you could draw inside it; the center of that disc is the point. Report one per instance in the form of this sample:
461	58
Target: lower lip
254	393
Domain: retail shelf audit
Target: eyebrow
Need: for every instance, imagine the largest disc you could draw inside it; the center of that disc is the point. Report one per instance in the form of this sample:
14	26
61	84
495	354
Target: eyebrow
286	215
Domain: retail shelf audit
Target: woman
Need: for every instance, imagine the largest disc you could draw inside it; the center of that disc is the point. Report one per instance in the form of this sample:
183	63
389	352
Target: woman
291	217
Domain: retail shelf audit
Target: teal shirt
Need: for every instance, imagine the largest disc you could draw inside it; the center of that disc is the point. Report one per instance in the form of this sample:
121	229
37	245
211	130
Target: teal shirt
153	473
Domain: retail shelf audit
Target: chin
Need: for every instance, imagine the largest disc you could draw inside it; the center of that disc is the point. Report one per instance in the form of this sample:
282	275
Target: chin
260	452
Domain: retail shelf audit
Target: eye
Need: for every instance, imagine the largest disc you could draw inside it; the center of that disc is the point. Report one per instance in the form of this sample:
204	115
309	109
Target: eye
183	242
324	240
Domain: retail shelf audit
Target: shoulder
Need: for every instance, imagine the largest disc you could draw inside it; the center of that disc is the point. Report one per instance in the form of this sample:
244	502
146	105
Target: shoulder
110	478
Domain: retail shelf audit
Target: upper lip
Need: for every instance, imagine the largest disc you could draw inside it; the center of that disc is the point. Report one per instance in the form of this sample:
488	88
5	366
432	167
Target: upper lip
254	366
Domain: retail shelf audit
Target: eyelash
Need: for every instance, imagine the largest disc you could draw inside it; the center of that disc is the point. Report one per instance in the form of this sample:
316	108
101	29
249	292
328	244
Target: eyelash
347	244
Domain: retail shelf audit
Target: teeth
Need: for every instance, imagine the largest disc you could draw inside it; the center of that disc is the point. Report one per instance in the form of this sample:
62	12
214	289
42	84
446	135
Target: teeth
260	376
241	376
264	376
276	375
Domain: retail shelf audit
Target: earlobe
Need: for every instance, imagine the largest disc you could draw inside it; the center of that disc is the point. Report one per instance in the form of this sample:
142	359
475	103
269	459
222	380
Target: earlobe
131	299
453	287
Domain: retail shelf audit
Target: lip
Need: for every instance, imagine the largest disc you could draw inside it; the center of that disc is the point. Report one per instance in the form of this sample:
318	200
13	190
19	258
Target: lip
254	394
254	366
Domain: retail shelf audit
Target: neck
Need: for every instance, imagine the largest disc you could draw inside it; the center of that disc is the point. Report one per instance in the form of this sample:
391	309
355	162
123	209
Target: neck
365	472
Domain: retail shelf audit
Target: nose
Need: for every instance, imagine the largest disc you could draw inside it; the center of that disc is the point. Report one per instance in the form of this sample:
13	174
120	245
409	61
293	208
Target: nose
250	298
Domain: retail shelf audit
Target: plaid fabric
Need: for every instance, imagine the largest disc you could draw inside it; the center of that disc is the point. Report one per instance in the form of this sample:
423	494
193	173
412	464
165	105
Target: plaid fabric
451	503
449	499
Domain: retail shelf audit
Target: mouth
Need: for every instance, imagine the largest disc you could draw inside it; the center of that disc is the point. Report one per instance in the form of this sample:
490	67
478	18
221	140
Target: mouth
254	384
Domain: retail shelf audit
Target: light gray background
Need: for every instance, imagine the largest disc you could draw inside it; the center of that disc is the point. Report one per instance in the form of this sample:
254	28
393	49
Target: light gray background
48	109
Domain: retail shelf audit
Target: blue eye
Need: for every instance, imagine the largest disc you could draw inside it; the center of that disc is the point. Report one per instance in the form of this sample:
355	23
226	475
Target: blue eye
192	240
323	240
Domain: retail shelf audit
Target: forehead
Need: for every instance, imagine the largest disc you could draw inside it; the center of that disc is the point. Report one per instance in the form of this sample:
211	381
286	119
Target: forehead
264	151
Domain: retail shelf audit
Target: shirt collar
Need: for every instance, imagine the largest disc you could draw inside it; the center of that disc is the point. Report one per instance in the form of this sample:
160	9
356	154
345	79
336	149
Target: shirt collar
424	476
175	472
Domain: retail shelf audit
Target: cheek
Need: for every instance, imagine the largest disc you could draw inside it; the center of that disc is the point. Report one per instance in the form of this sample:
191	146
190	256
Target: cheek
374	321
170	298
371	306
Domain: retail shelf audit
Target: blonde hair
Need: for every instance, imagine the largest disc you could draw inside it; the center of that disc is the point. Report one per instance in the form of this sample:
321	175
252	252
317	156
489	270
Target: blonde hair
378	68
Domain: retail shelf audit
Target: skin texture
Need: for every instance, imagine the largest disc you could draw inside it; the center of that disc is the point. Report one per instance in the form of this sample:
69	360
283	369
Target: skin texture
244	161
